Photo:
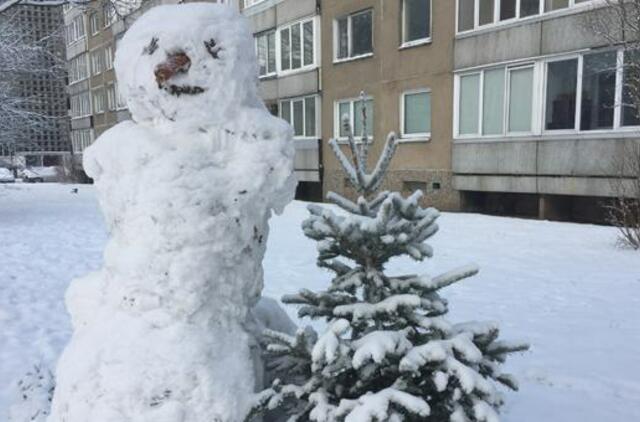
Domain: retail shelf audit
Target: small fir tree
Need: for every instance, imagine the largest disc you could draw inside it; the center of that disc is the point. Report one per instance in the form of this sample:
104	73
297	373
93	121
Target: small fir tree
388	352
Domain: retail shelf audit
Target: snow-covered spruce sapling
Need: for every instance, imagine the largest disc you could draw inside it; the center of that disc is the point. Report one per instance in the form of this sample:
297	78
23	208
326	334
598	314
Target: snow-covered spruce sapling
388	352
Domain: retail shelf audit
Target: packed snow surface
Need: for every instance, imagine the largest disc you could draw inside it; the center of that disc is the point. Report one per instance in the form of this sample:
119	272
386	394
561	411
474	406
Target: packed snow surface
187	188
565	288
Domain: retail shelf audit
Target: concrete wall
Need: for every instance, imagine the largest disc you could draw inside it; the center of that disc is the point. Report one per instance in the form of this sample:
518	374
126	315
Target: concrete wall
391	71
579	165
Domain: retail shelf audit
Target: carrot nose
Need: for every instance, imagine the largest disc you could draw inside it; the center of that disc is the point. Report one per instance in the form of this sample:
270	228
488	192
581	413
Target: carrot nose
175	63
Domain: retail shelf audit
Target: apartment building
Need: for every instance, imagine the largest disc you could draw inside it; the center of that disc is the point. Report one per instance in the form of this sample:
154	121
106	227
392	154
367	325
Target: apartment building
92	33
539	121
45	144
288	39
400	54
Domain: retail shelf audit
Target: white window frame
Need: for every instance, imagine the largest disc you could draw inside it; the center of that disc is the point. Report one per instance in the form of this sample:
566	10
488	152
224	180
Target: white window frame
108	57
420	41
425	136
275	40
251	3
507	96
543	105
94	22
303	67
539	98
337	118
336	40
96	93
304	114
573	7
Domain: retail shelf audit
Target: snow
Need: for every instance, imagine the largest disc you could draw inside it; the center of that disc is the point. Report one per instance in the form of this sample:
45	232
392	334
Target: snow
160	332
565	288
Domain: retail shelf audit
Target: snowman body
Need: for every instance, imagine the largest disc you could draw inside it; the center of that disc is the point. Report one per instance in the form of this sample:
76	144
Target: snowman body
187	189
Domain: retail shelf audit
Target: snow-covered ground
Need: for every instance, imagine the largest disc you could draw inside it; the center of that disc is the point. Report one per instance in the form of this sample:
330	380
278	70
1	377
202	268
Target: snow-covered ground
565	288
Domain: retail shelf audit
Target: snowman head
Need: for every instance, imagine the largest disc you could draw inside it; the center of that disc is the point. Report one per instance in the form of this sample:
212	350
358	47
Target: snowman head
192	64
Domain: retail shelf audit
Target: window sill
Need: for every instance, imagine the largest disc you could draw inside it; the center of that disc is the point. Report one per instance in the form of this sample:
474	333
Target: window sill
351	59
415	43
414	139
621	133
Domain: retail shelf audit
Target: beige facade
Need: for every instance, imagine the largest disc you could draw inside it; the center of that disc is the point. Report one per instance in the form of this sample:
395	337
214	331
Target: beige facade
392	70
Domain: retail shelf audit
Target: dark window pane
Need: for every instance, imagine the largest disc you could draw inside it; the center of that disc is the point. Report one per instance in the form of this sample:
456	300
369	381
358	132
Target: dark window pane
310	117
598	91
417	19
631	89
466	14
308	43
529	8
555	5
285	110
296	47
507	9
343	38
361	33
486	11
271	48
285	48
298	119
561	94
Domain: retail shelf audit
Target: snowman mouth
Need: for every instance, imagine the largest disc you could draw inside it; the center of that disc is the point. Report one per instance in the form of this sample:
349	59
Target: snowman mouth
175	64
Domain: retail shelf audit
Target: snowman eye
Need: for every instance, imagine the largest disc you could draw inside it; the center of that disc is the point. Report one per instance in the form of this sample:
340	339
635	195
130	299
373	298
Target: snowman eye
152	47
213	48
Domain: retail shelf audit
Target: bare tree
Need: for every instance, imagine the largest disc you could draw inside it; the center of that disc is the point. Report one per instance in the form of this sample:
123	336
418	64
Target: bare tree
618	24
624	210
24	57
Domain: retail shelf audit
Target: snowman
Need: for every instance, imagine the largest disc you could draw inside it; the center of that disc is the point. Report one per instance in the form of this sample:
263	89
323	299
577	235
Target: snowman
187	188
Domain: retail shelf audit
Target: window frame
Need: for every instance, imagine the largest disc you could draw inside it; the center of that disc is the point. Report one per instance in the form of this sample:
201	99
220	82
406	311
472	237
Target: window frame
422	136
539	98
303	67
266	33
318	121
573	7
337	119
403	27
336	40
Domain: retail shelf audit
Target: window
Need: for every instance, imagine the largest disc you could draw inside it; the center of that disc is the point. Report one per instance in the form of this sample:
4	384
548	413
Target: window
111	97
75	30
354	35
80	105
493	102
631	76
520	99
297	45
416	114
266	52
108	57
121	103
249	3
109	15
301	114
416	20
504	104
94	22
81	139
469	104
78	68
561	94
474	14
355	112
598	91
585	92
550	5
98	101
97	62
